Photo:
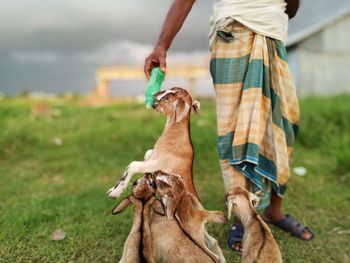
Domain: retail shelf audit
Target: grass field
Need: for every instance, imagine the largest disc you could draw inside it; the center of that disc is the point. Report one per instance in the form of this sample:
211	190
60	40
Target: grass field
49	183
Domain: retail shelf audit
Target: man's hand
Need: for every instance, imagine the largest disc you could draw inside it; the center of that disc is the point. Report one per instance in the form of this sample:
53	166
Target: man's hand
156	59
292	8
172	24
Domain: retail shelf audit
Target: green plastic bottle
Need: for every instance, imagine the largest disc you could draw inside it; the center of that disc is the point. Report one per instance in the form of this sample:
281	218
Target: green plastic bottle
154	86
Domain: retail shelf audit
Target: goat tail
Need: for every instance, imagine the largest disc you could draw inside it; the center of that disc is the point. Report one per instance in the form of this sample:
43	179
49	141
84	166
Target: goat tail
216	217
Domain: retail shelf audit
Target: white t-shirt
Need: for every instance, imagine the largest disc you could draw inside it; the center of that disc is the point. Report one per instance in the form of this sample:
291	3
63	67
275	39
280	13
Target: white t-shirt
266	17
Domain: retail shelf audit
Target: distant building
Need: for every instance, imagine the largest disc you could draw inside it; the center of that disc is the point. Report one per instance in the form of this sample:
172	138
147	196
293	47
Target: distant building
319	47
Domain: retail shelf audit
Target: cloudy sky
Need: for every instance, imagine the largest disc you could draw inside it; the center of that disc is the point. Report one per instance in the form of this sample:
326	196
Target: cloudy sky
56	45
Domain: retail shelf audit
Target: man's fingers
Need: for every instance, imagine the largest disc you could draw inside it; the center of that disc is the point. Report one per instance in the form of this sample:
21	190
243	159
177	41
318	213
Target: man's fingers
154	60
147	68
162	63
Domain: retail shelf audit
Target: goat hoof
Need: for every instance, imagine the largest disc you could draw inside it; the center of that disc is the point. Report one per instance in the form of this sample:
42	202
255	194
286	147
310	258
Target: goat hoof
111	194
115	192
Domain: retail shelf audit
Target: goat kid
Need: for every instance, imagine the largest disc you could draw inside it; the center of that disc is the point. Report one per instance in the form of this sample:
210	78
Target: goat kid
180	204
258	243
172	245
153	237
138	245
173	151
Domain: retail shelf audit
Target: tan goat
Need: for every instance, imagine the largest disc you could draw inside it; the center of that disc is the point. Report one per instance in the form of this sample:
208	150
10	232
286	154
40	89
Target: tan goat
138	245
173	151
192	217
153	237
172	245
258	243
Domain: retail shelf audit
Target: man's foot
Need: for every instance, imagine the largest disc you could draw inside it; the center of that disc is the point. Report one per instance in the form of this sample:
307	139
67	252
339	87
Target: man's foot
288	224
235	236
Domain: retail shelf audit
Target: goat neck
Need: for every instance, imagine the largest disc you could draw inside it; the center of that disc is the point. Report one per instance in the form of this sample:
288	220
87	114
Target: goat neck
185	122
243	210
177	130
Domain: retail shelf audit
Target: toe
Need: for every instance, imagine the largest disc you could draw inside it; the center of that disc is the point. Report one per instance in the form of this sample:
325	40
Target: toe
237	246
306	235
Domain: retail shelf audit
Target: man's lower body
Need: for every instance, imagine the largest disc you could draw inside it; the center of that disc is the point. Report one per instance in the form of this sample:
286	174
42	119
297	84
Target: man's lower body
257	117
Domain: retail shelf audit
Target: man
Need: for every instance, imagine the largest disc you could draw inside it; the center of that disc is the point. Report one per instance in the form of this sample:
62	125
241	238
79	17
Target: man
257	107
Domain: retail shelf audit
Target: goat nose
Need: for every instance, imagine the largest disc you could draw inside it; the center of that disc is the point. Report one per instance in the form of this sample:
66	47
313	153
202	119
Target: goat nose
155	105
153	184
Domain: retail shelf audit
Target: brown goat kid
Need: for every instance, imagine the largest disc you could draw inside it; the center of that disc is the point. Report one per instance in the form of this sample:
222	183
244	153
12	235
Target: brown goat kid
153	236
172	245
258	243
173	151
191	216
138	245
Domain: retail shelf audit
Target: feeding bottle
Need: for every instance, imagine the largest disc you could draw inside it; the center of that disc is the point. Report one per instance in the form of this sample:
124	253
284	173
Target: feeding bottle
154	86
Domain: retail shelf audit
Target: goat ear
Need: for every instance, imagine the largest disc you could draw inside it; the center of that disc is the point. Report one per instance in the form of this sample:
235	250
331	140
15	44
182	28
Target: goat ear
158	207
254	200
181	109
121	206
196	106
230	202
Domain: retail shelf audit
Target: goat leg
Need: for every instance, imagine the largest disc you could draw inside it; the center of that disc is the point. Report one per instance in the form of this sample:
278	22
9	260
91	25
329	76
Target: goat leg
215	216
133	168
197	234
147	236
148	154
213	245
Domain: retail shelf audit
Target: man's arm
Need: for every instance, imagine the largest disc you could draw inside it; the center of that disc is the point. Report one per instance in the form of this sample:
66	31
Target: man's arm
292	8
172	24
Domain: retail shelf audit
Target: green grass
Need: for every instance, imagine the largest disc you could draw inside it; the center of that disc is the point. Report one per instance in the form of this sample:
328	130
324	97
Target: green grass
45	187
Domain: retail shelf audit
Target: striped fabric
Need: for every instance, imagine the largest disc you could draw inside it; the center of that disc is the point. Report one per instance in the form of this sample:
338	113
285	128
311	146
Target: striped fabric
257	110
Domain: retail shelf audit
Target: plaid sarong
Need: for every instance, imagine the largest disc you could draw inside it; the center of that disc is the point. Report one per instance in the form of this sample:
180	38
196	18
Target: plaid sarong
257	109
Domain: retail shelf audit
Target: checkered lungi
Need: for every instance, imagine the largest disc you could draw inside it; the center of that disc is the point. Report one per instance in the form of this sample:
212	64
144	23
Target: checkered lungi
257	109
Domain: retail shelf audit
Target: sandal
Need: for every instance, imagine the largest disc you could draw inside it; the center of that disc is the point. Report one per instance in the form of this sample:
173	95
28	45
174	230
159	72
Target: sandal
290	225
235	236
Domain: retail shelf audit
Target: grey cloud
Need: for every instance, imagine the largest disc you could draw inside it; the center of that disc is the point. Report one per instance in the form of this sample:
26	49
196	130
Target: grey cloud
57	45
73	25
36	57
122	52
114	53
